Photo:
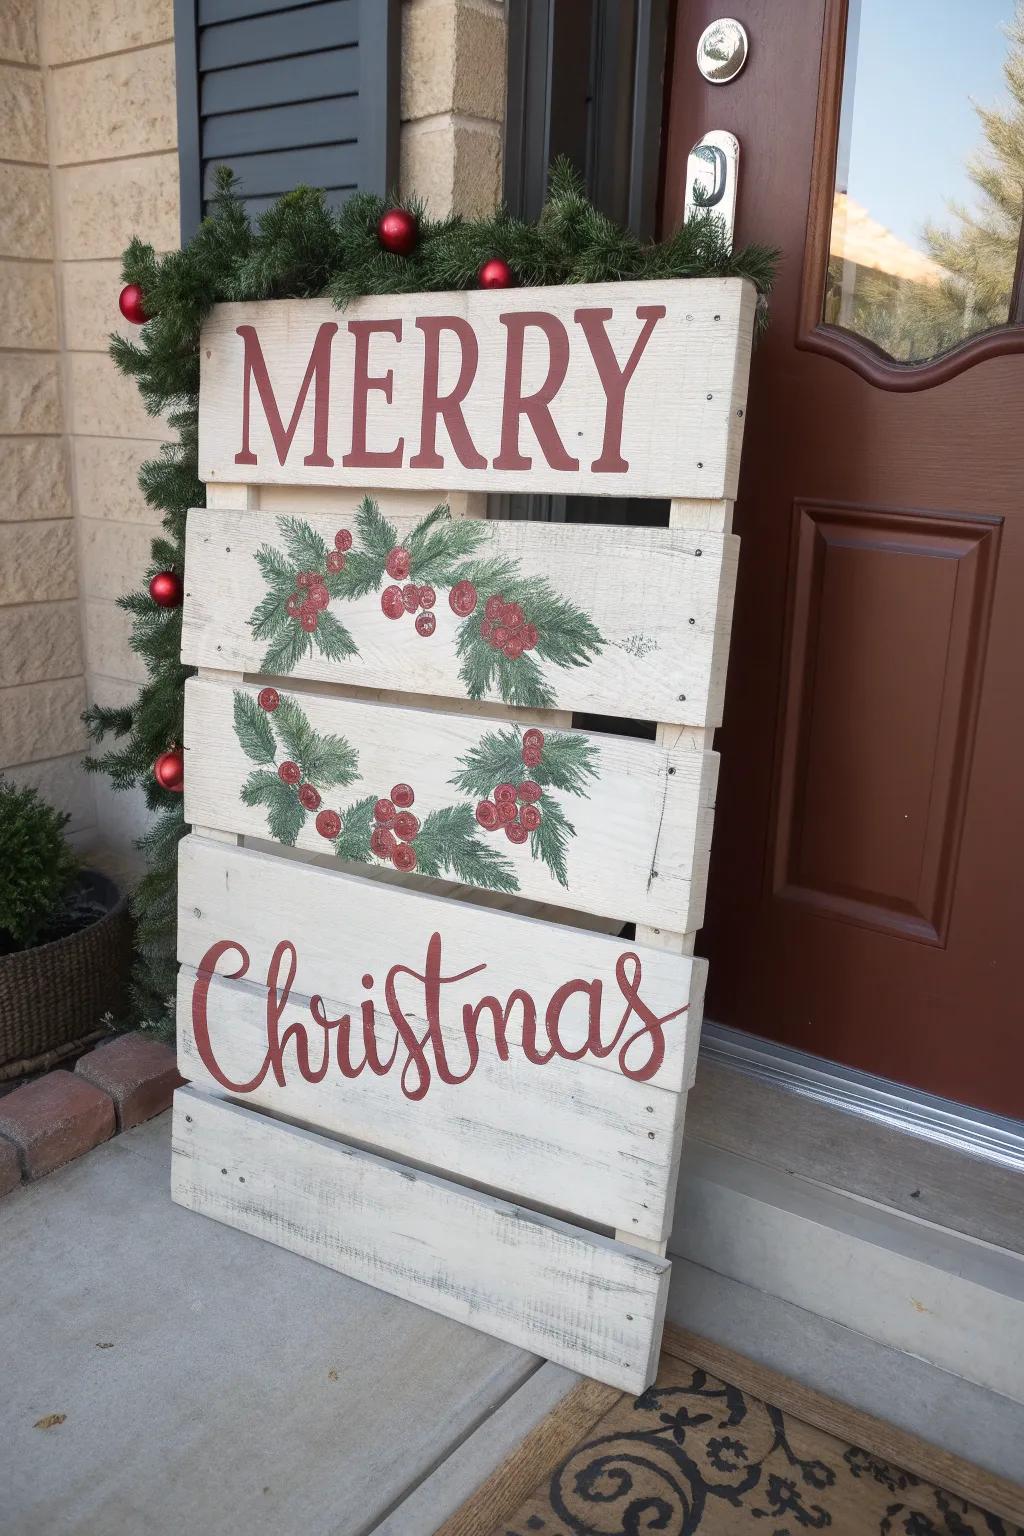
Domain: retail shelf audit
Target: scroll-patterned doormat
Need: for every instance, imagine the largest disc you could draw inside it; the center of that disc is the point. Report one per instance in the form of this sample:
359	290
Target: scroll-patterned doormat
724	1447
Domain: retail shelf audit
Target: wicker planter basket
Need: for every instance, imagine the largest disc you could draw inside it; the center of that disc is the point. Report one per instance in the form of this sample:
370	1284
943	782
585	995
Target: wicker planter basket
53	997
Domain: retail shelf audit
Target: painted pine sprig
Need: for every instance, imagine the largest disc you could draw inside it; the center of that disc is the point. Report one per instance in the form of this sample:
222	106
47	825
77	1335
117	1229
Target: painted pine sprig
446	842
293	616
515	774
295	764
517	622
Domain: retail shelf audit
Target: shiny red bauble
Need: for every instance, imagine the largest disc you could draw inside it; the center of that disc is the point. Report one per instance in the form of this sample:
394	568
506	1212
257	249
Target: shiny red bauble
166	589
495	274
169	770
398	230
131	306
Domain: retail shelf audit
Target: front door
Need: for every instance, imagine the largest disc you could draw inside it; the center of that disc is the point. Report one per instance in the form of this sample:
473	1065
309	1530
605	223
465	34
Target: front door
867	875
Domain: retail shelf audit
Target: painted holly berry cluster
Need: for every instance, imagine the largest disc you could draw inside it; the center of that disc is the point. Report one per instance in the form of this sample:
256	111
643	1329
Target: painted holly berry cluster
512	774
511	624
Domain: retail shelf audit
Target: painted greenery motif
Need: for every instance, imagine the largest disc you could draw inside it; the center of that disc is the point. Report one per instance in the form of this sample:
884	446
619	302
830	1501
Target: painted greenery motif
509	767
295	764
510	623
512	772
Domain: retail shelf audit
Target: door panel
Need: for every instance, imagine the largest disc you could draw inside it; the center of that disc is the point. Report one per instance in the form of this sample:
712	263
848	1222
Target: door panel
865	899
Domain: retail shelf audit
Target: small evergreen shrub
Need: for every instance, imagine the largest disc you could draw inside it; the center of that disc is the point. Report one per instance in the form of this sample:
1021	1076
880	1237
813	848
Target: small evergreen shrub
37	868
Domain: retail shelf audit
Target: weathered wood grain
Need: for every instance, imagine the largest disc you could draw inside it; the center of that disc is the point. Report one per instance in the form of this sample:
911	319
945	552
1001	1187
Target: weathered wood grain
571	1295
591	1144
661	599
642	828
682	410
344	927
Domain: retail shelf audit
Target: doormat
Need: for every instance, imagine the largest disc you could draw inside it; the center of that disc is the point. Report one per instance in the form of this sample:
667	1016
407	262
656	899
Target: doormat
723	1446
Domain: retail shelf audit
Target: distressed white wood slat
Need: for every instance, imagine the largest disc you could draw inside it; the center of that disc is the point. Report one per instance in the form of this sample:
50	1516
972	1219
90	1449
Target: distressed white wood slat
670	425
344	927
660	598
592	1144
580	1299
642	830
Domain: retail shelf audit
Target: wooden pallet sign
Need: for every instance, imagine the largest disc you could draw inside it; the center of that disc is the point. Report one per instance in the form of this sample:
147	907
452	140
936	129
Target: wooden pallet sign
418	1051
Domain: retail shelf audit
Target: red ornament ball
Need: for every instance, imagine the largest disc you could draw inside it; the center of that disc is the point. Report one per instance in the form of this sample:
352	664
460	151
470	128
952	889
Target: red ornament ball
131	306
495	273
505	794
384	811
328	823
428	597
533	738
169	770
335	561
402	796
343	540
268	699
425	624
318	598
516	832
529	817
404	857
506	811
307	618
487	815
531	757
293	604
289	772
166	589
529	791
309	797
398	230
411	597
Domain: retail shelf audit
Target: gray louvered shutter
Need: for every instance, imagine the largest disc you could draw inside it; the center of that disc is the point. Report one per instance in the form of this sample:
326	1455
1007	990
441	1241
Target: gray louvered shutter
286	92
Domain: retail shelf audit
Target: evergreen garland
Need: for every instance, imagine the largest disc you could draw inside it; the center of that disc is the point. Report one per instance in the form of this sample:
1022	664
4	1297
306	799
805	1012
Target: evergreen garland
302	249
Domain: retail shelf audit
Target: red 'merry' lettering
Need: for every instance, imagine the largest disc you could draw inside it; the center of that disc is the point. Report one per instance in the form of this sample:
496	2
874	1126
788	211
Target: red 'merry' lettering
318	369
535	407
614	380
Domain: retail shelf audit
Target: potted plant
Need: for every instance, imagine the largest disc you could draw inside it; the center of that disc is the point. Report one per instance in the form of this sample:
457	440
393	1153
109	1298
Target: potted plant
65	939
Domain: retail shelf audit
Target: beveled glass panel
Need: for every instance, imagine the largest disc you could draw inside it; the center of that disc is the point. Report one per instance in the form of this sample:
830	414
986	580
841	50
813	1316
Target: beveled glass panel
925	242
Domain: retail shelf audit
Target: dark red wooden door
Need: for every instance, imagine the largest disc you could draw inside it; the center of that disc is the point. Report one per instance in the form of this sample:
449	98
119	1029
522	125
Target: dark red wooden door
867	887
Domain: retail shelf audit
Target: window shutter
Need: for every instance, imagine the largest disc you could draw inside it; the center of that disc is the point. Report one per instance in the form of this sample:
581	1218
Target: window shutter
286	92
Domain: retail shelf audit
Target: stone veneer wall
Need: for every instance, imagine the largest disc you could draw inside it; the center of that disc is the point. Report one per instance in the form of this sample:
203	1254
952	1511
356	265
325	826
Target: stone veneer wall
88	128
42	686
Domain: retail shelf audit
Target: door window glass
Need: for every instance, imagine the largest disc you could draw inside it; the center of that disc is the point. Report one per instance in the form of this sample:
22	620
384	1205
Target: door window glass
925	248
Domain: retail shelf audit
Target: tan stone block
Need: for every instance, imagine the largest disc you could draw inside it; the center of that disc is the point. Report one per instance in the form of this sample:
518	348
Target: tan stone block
62	782
107	480
22	117
28	305
111	692
43	720
29	393
84	29
477	177
454	166
26	220
427	165
104	402
112	556
33	479
103	206
107	635
18	41
37	562
38	642
90	290
453	60
124	105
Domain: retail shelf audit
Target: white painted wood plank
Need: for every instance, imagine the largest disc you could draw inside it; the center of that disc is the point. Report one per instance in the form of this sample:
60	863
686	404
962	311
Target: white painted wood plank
670	425
343	927
591	1144
641	824
577	1298
660	600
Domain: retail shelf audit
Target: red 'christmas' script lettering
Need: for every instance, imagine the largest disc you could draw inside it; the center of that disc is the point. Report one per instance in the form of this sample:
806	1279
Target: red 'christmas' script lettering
535	407
641	1049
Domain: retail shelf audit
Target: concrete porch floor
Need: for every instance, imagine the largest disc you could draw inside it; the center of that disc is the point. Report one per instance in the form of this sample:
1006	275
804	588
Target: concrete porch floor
211	1382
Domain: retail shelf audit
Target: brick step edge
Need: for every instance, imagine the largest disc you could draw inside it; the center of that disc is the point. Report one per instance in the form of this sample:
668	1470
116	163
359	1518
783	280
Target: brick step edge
57	1118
